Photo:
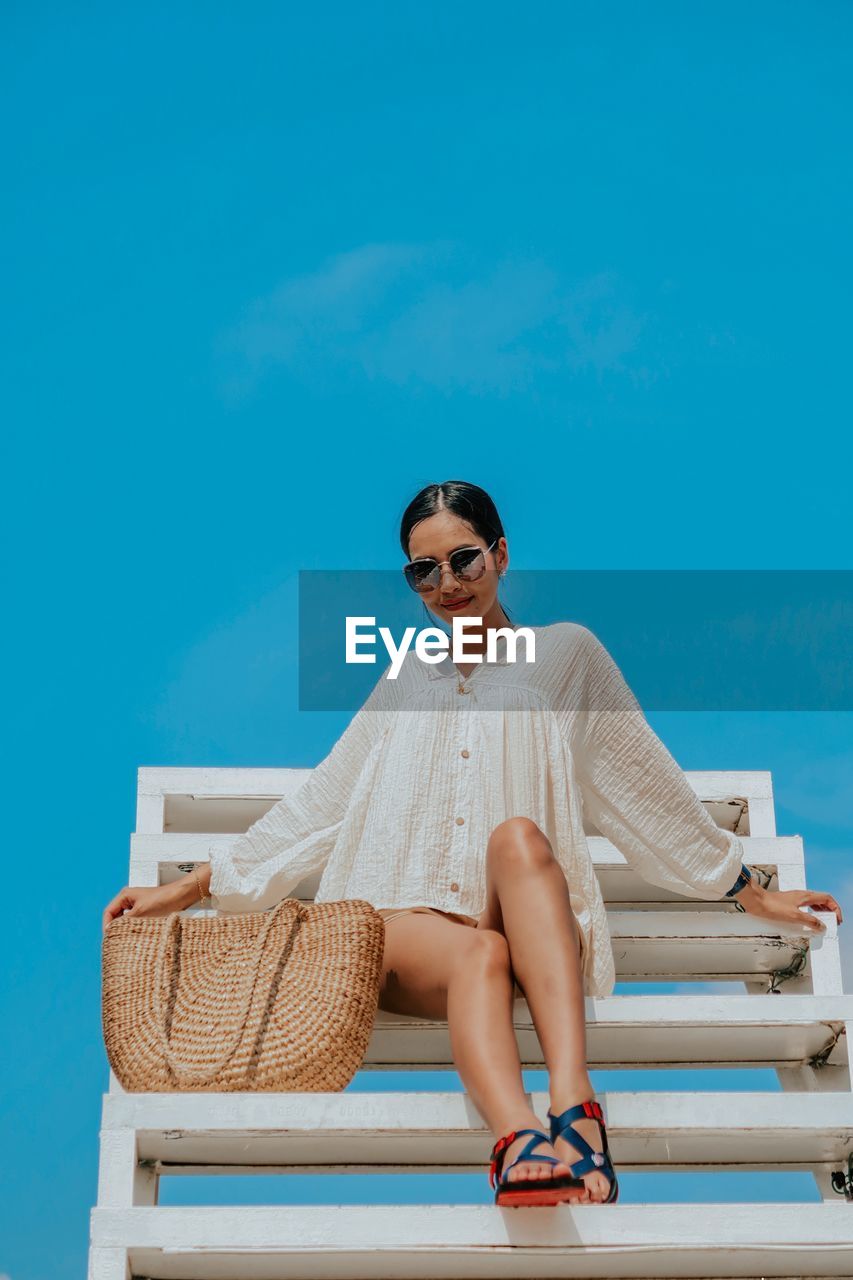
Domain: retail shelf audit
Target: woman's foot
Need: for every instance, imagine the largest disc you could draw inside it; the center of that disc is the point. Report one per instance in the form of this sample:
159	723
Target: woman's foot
528	1169
597	1185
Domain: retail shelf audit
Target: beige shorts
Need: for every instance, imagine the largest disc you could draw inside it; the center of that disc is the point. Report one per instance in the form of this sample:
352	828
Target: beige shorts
388	913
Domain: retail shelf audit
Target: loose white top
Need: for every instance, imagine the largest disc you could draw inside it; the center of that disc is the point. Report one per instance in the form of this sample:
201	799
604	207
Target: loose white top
400	811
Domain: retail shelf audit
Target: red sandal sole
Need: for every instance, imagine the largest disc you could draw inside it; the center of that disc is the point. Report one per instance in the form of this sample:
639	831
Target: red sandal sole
540	1196
547	1196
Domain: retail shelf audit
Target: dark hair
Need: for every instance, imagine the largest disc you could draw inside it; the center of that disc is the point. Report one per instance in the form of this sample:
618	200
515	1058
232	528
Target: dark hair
467	501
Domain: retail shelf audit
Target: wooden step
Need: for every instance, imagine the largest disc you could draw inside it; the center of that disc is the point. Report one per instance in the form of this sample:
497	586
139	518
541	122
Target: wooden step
161	857
477	1242
705	946
443	1133
653	1031
179	798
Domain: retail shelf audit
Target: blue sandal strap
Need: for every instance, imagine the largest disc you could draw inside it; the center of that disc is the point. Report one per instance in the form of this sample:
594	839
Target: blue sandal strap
585	1150
592	1109
596	1163
526	1153
589	1160
539	1136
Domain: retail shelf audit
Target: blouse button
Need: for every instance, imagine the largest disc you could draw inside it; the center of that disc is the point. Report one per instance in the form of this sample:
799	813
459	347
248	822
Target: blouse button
454	887
459	821
465	752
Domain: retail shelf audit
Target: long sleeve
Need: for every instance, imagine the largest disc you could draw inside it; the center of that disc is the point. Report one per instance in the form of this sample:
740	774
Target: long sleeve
297	835
633	790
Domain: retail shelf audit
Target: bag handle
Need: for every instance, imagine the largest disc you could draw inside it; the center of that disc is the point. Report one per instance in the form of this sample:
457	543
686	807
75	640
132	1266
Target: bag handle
205	1074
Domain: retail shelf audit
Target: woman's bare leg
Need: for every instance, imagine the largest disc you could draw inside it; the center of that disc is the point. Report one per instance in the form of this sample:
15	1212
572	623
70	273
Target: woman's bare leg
528	901
438	968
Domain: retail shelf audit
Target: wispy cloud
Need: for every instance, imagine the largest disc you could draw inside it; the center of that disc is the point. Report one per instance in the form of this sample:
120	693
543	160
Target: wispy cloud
425	313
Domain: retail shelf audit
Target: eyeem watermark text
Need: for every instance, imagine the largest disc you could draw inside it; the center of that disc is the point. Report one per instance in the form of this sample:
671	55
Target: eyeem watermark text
432	644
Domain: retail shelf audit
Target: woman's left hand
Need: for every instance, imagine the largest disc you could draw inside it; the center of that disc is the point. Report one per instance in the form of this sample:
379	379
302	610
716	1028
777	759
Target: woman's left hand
785	906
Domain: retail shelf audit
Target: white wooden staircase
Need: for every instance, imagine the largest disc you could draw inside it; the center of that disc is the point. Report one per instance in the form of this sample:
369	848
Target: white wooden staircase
793	1017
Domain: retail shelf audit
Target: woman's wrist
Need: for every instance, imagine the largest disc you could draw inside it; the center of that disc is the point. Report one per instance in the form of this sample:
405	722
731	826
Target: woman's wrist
750	893
194	887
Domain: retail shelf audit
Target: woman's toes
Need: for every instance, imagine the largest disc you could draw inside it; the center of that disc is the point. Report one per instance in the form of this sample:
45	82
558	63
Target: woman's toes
533	1170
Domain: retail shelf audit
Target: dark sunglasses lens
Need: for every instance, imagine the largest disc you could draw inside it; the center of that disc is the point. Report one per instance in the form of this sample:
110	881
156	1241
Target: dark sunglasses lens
420	575
468	563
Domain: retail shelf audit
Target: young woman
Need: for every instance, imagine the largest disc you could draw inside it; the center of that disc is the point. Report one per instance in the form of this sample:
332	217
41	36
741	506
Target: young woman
453	803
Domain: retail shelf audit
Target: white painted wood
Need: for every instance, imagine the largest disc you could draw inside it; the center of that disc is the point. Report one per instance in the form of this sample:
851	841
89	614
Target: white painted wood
761	819
114	1085
443	1132
162	853
667	1031
363	1242
241	780
621	883
108	1264
801	1032
807	1079
150	811
720	943
122	1180
825	958
181	791
791	874
699	942
651	1031
170	798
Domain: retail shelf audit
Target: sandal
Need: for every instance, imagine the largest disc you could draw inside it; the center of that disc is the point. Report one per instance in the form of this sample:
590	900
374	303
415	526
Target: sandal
590	1161
529	1191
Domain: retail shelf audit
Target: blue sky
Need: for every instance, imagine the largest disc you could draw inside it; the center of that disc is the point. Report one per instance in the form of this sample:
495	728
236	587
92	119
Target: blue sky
266	273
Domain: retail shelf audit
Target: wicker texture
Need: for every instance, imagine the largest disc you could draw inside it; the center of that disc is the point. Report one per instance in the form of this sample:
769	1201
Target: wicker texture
283	1000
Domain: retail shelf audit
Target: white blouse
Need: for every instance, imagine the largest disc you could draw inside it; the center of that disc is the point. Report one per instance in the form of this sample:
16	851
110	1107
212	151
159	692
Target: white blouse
400	811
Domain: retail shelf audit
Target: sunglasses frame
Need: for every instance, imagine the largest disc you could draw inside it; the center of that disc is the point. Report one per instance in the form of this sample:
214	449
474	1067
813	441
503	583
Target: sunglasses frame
438	564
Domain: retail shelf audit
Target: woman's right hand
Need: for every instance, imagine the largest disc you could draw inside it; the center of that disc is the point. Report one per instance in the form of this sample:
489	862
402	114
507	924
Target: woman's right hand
160	900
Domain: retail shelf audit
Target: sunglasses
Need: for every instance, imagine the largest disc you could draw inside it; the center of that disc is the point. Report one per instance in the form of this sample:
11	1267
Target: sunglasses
467	564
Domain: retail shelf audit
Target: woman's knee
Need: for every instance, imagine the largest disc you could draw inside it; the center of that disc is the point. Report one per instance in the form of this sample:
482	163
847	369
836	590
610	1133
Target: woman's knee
519	842
487	951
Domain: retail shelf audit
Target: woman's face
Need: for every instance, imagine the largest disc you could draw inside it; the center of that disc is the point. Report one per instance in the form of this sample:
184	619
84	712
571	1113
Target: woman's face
438	536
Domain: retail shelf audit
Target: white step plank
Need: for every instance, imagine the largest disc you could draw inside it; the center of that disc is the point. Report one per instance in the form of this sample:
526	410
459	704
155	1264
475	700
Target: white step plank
480	1242
158	858
657	936
792	1033
725	945
442	1132
184	798
238	780
652	1031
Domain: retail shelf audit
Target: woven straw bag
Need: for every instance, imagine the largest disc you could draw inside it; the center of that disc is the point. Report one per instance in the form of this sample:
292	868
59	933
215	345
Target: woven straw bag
280	1000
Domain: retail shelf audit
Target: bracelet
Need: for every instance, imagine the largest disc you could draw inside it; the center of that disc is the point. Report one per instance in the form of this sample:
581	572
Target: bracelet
743	879
202	895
